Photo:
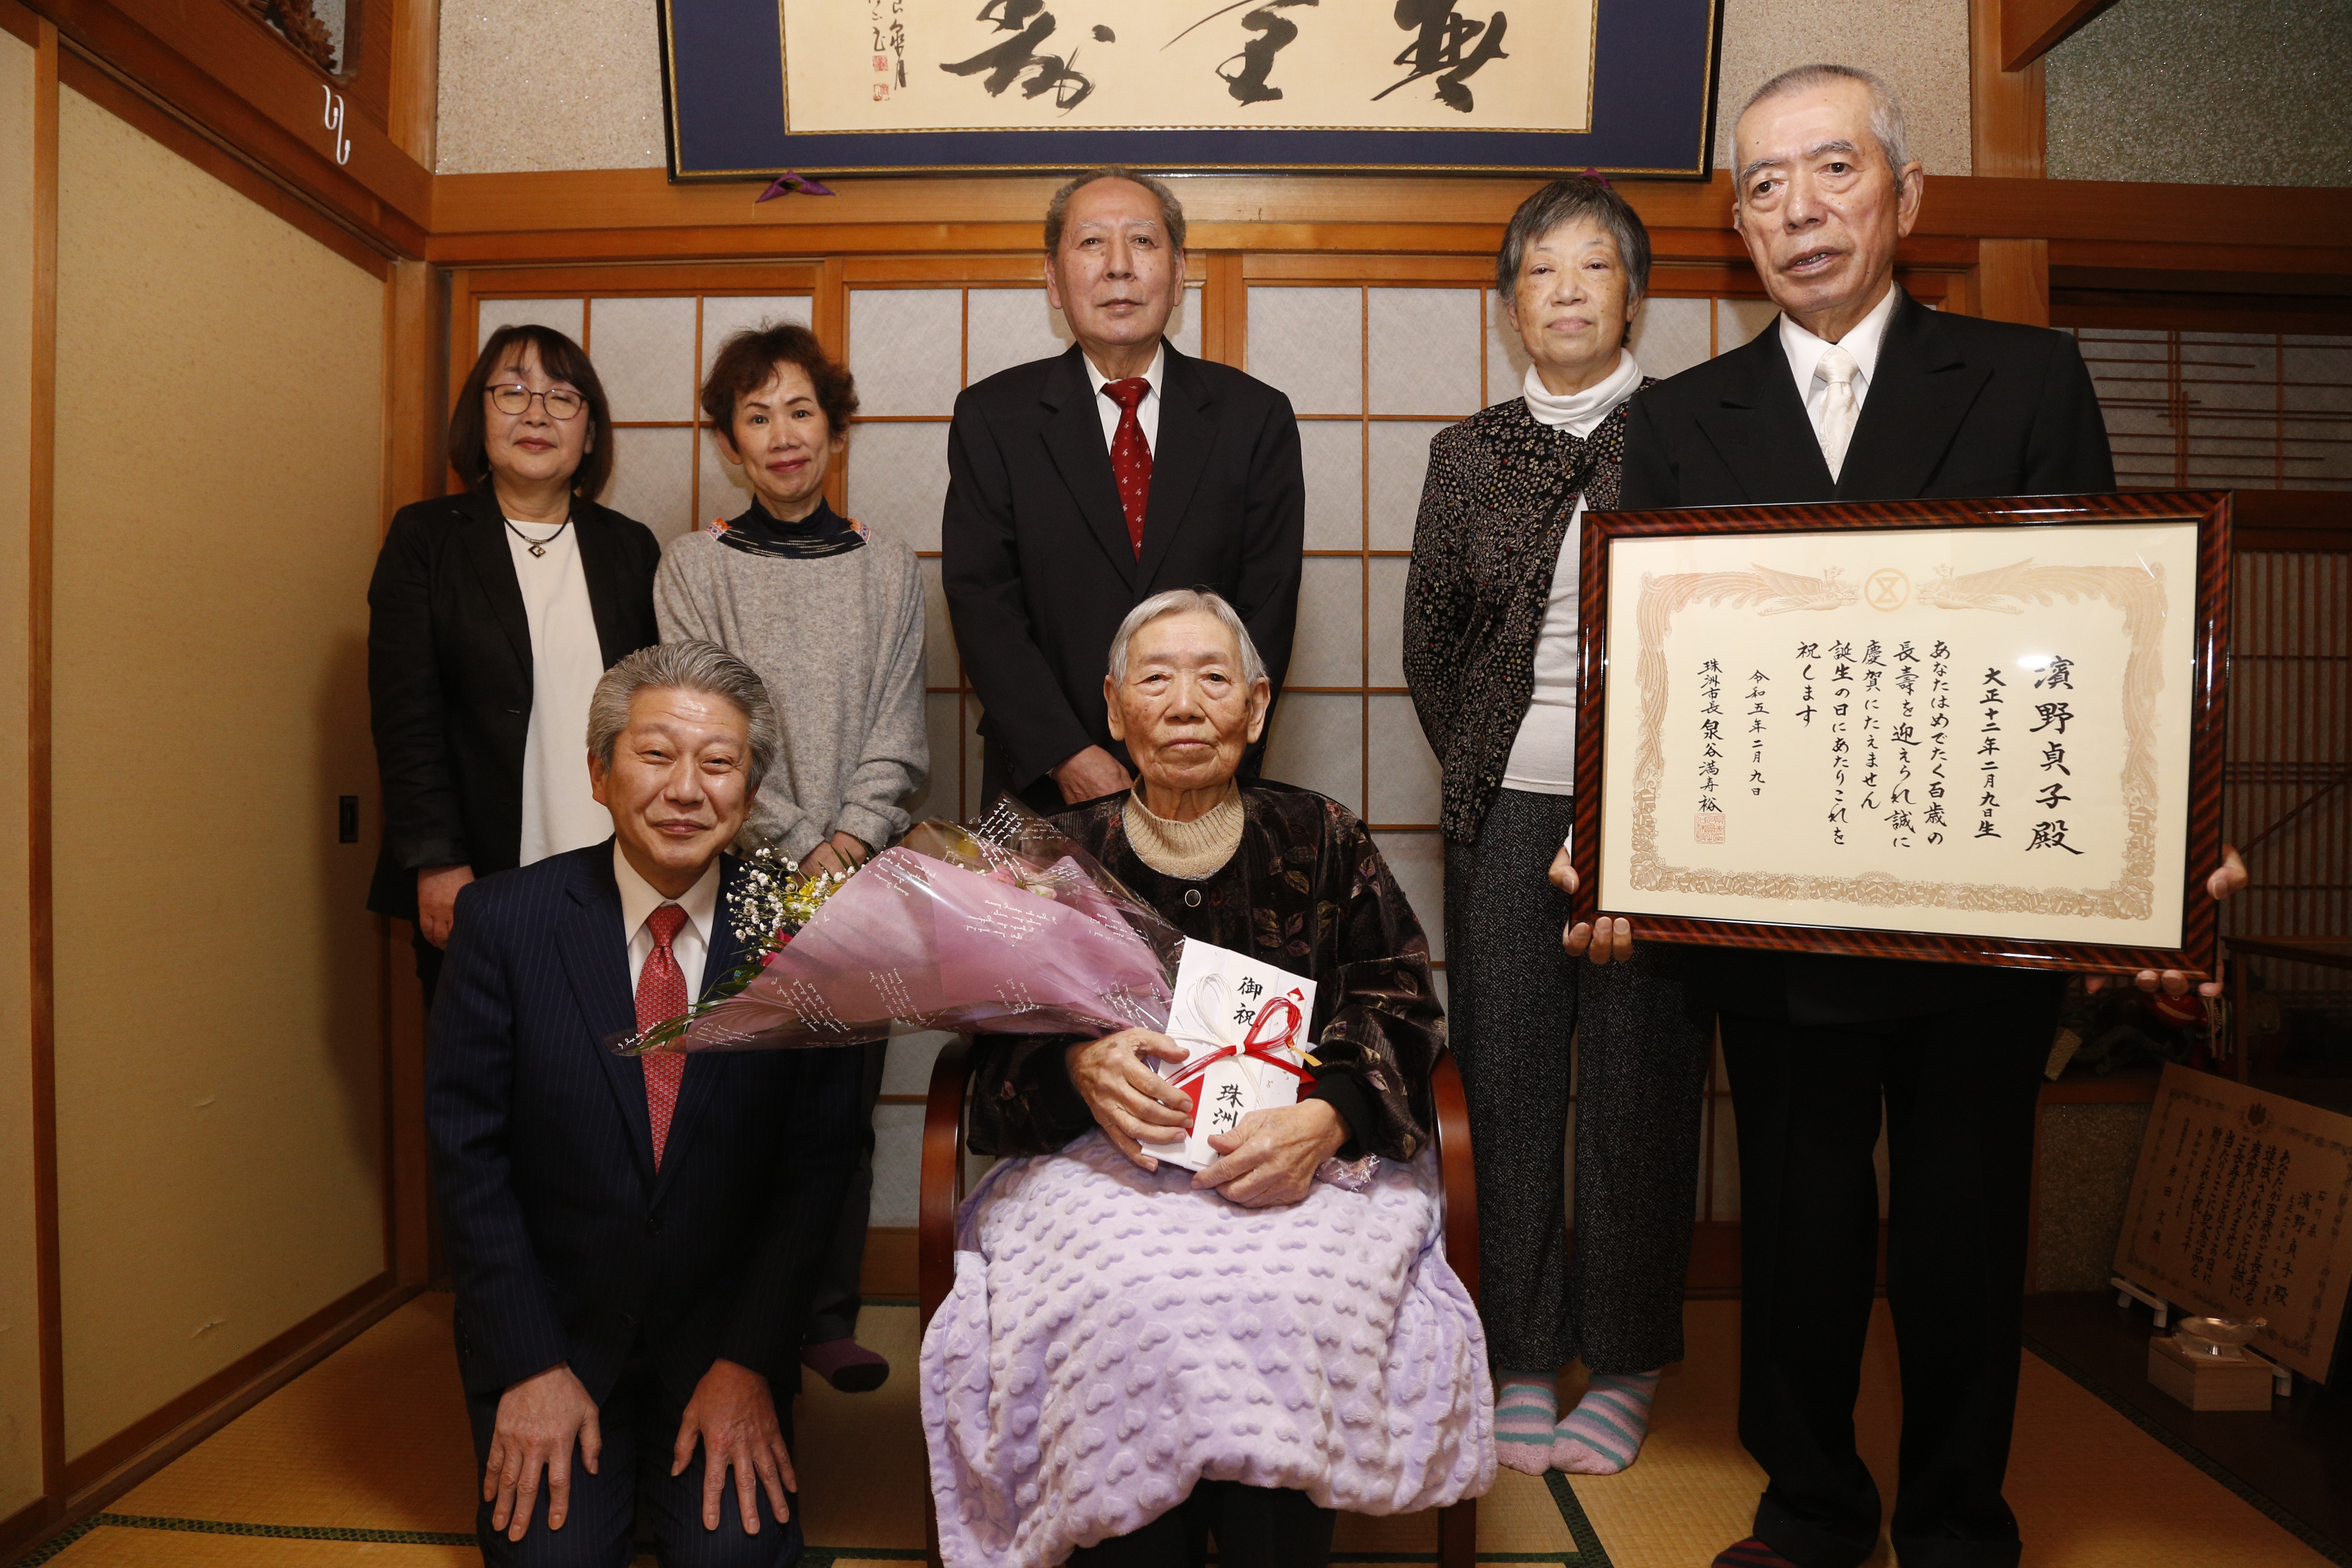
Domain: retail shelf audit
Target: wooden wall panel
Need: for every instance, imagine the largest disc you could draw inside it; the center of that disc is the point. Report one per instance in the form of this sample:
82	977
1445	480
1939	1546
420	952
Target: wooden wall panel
2028	29
414	427
211	61
220	1154
414	88
27	168
493	218
2008	128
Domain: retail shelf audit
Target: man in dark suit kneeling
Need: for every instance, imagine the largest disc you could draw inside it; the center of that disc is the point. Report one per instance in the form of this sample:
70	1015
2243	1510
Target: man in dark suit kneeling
1858	393
1080	486
633	1239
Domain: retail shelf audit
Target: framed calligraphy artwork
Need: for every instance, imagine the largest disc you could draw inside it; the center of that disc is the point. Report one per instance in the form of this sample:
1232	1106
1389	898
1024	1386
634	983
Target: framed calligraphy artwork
1975	730
756	86
2242	1206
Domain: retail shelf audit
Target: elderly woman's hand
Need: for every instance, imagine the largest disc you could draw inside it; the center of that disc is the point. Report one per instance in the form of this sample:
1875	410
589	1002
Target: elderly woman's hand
1270	1159
1132	1104
1612	942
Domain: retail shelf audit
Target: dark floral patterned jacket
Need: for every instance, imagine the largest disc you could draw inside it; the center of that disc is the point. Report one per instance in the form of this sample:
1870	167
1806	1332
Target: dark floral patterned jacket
1500	493
1307	890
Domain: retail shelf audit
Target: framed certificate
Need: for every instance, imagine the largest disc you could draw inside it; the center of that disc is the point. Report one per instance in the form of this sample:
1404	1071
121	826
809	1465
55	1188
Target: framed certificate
754	86
1983	730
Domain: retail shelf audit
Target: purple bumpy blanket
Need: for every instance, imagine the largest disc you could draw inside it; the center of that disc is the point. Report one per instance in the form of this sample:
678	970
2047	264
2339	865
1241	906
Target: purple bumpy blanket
1113	1336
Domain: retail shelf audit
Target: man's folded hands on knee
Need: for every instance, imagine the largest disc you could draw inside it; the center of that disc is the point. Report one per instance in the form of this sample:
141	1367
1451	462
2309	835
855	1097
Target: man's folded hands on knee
733	1414
540	1421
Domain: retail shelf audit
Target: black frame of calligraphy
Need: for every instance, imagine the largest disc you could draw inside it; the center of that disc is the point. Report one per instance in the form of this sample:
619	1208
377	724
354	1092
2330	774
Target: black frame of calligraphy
2199	951
1654	68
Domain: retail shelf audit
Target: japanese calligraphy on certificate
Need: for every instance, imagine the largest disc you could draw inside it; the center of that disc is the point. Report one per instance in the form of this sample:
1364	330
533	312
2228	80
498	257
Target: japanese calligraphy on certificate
1975	732
961	65
2242	1206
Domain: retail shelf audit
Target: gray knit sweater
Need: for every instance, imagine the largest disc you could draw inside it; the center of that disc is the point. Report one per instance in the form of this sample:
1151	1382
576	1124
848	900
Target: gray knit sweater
839	641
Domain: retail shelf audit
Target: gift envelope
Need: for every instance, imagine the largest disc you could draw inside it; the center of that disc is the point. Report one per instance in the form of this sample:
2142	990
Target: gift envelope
1243	1027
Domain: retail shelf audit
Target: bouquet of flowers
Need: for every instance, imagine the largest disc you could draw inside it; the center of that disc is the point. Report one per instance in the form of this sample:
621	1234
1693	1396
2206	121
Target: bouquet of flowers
1006	926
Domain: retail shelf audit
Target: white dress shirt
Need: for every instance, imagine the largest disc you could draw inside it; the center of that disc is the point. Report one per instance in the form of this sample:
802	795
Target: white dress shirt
559	812
1805	351
1543	752
640	899
1146	413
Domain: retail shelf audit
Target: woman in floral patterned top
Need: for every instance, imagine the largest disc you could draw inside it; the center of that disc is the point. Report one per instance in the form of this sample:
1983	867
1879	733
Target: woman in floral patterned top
1490	651
1394	1415
1278	873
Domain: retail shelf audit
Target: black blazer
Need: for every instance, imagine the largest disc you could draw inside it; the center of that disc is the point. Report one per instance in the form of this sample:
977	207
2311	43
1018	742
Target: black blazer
565	1243
1038	565
1958	407
449	677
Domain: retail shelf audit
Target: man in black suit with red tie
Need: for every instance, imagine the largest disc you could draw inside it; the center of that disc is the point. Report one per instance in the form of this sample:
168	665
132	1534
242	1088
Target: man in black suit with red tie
1859	392
634	1240
1080	486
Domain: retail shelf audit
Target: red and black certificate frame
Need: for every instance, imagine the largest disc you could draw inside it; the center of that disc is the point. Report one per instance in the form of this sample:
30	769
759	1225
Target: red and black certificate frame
1971	730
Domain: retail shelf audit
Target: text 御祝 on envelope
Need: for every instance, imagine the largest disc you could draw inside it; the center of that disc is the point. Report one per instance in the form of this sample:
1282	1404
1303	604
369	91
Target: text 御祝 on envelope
1243	1025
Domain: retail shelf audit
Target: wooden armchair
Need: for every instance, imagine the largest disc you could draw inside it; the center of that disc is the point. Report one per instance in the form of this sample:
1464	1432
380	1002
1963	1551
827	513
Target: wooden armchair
943	1193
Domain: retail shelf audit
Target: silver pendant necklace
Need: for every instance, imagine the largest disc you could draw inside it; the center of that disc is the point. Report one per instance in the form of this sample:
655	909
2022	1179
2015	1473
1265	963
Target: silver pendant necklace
537	546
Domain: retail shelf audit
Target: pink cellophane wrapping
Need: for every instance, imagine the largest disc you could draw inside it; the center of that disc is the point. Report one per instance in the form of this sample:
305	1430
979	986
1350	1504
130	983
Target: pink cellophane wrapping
1018	932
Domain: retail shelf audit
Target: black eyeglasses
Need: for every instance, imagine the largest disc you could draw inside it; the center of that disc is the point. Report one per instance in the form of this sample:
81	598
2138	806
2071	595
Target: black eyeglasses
561	402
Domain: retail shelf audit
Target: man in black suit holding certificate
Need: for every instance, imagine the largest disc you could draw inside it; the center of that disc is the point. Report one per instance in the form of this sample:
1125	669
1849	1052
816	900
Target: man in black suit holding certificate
1859	392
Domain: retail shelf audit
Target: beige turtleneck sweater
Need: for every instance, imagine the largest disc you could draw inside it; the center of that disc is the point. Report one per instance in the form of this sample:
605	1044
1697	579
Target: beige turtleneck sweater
1191	851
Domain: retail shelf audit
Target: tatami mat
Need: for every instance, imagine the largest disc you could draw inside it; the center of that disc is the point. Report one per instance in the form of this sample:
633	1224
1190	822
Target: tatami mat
2091	1490
116	1547
365	1460
373	1437
860	1455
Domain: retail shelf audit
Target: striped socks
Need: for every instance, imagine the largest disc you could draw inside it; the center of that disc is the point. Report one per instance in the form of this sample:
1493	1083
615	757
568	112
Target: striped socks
1601	1435
1526	1406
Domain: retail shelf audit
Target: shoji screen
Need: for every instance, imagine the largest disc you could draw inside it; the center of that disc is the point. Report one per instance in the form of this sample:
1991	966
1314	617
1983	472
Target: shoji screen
651	351
1376	355
2189	410
913	349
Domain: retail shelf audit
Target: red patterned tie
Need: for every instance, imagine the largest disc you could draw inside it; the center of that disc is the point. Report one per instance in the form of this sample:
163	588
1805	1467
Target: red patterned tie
661	995
1130	457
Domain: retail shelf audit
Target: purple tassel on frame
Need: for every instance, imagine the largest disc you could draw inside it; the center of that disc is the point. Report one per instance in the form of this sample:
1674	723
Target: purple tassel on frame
786	184
1590	172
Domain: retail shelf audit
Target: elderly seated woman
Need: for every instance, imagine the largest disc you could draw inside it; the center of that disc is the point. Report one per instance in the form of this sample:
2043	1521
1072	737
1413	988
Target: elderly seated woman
1135	1358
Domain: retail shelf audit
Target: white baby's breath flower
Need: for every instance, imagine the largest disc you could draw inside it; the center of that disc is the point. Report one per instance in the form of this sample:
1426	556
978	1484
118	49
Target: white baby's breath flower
774	895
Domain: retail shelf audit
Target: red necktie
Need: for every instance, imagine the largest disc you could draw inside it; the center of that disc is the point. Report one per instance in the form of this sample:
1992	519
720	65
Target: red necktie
661	995
1130	457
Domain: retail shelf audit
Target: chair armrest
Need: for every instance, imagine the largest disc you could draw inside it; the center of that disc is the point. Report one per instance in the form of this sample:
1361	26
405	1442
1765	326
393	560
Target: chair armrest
1451	1131
941	1190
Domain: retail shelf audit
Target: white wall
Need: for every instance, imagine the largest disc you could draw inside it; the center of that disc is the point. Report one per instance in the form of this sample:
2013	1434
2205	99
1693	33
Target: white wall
2229	93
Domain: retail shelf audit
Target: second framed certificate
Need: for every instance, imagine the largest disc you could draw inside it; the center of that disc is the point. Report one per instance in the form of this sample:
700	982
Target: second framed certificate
1983	730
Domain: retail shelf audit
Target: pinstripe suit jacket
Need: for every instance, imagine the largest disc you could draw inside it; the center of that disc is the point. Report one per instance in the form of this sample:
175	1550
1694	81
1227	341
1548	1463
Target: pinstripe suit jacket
565	1243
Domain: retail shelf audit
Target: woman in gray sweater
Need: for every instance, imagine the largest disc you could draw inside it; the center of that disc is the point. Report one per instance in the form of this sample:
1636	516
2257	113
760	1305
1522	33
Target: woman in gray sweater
830	613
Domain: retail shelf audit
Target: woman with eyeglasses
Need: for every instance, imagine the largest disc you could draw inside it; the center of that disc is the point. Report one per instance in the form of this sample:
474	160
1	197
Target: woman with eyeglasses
491	617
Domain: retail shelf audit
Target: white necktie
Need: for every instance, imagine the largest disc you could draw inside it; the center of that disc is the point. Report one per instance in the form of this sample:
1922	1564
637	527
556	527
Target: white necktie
1839	410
